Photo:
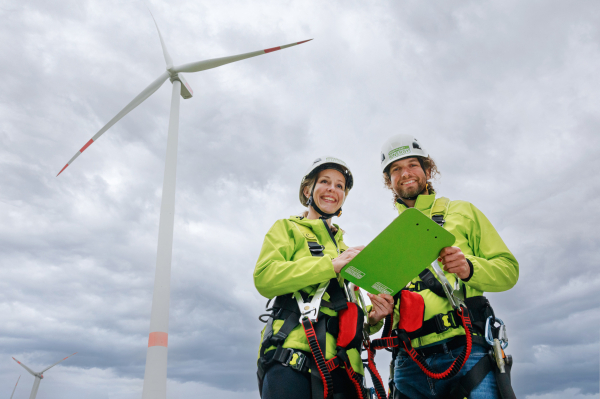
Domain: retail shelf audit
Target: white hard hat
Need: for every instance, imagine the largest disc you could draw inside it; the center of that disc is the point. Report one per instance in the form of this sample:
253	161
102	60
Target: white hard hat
326	162
398	147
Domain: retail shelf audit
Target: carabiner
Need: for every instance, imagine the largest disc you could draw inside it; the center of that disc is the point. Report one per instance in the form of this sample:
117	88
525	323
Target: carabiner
502	337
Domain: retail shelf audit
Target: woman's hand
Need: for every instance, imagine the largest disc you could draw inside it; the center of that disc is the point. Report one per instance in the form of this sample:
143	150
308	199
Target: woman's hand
345	257
383	305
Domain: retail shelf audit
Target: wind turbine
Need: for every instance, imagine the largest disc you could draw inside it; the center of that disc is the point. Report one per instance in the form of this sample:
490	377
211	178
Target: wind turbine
38	376
11	395
155	376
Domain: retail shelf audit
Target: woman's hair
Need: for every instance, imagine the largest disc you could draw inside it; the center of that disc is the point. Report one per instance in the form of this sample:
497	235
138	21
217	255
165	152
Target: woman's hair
427	163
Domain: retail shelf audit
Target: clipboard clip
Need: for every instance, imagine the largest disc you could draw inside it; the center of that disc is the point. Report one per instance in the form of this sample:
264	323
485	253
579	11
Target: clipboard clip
454	294
310	310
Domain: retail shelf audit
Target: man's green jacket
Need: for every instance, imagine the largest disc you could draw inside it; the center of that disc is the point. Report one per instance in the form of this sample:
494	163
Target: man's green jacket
495	268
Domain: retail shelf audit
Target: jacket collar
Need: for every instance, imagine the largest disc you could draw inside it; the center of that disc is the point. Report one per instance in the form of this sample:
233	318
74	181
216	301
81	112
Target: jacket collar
313	224
423	203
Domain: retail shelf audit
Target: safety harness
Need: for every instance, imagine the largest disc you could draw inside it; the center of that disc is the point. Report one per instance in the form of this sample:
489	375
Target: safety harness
348	328
476	317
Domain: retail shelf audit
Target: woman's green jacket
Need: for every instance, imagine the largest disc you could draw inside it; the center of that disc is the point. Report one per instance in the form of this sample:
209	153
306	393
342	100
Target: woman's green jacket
286	265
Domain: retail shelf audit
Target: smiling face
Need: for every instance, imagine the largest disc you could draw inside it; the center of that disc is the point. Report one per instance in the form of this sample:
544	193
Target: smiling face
329	191
407	177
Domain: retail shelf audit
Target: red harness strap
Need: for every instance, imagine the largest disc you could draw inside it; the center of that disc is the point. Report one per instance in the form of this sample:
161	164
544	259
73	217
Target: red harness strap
375	377
411	312
319	357
458	363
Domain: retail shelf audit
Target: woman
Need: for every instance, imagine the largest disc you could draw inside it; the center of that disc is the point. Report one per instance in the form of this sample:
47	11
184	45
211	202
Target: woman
299	254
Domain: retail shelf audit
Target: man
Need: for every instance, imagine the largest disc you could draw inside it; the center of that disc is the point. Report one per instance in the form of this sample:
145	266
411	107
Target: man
479	258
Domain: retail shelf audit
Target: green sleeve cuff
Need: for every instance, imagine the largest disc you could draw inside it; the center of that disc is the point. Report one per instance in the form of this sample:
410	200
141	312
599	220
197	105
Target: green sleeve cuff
376	327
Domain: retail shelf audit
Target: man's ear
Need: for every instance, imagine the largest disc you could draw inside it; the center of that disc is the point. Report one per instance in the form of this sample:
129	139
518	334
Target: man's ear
428	173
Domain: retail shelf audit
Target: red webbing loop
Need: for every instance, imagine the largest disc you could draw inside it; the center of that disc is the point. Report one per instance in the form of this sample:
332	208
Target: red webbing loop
332	364
458	363
375	377
356	380
382	343
319	357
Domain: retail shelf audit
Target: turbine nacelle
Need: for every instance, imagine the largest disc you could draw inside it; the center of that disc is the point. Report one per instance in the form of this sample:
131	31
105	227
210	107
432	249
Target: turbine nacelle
186	90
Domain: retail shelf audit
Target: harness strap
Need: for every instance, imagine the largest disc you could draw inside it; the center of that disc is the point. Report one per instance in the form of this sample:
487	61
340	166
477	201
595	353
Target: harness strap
503	380
458	363
439	210
318	356
375	377
336	295
429	282
473	378
438	324
314	247
354	378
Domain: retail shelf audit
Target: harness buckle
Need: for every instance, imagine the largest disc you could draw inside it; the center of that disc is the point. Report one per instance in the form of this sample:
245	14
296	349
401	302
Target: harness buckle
296	360
310	310
315	248
439	219
444	322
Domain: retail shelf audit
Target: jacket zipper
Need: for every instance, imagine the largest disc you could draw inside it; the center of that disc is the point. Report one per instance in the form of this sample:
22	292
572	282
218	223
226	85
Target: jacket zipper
331	235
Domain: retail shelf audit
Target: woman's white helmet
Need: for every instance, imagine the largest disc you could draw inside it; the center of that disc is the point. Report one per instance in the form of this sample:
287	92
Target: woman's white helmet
322	163
398	147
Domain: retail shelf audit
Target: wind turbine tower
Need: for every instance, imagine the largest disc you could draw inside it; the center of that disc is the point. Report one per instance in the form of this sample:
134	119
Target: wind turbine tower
38	376
155	376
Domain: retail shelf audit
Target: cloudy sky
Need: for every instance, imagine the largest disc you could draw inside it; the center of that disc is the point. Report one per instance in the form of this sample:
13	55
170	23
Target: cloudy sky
503	94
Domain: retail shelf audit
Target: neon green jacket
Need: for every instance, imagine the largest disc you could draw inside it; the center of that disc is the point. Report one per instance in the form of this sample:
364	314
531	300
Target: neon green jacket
286	265
495	269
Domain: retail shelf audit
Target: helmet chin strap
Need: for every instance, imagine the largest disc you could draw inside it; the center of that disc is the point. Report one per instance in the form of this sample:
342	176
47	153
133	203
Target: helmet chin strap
311	202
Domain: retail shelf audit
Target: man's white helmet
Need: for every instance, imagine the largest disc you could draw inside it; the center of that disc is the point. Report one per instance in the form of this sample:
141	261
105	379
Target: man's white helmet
399	147
326	162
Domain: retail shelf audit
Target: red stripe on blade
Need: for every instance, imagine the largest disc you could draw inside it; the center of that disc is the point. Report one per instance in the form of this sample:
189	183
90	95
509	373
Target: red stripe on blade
89	143
158	339
62	170
270	50
304	41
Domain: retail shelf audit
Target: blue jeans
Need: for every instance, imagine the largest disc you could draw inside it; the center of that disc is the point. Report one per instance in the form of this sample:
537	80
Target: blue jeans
412	382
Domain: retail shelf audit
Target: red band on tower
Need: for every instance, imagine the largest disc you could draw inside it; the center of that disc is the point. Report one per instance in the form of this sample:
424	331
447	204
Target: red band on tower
158	339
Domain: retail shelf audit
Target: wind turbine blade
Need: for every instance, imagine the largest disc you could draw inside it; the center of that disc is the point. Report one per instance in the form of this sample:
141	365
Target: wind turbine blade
217	62
13	392
168	58
60	361
140	98
25	367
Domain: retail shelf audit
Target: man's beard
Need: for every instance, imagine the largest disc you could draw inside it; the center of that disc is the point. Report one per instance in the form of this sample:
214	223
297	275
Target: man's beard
411	192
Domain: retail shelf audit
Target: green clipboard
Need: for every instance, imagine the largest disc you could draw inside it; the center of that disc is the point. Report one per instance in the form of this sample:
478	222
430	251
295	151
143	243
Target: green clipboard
398	254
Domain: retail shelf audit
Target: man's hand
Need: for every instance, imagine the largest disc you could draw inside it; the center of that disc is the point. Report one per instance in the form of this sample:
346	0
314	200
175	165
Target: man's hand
383	305
454	261
345	257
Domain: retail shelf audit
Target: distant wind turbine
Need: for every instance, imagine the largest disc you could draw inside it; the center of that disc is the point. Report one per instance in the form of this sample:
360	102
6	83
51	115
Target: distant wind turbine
11	395
155	376
38	376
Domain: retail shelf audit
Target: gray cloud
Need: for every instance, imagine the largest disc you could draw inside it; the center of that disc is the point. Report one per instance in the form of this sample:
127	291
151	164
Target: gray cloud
502	94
